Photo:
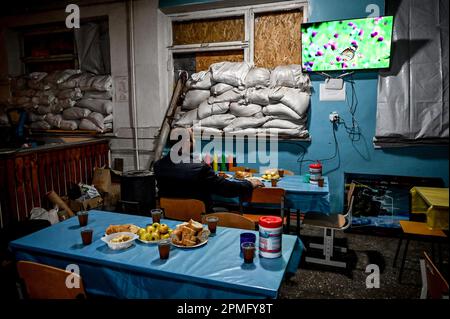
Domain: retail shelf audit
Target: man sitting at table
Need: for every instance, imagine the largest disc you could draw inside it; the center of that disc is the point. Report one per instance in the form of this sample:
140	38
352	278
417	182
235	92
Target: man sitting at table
178	175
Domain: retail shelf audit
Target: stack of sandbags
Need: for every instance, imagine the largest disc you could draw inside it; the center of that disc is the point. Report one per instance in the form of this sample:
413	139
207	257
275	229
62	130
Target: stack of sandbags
67	100
234	97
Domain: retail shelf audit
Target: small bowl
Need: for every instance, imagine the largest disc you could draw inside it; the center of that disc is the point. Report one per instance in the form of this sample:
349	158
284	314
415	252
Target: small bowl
122	245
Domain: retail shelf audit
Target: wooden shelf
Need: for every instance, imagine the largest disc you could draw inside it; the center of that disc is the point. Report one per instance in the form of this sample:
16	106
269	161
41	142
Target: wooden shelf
51	58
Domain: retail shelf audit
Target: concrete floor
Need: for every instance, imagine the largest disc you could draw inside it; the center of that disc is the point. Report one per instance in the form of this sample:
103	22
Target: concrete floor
319	282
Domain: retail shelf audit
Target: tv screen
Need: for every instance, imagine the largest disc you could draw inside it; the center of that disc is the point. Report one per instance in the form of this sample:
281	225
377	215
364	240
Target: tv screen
343	45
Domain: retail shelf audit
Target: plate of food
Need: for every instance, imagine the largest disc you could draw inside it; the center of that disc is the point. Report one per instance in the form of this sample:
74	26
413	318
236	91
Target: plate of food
242	175
130	228
270	175
224	175
191	234
153	233
120	240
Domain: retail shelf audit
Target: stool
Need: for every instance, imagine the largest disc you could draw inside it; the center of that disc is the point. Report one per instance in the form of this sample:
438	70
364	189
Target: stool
419	231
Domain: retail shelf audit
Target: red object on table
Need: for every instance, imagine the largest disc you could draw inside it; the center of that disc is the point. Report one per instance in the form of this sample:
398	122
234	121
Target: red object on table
270	221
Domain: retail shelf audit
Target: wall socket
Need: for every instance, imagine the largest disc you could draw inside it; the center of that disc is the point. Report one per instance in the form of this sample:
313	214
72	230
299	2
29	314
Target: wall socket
334	117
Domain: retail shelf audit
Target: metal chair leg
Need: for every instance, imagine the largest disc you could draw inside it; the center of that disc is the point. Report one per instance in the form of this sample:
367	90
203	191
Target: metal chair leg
288	221
403	261
298	221
397	251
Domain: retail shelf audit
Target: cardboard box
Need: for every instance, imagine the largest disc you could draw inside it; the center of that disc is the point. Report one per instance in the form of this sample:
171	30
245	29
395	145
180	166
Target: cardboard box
87	204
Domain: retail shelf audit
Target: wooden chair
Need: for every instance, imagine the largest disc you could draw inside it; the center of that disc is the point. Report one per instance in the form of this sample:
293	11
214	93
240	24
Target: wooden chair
183	209
434	284
46	282
267	196
330	223
233	220
417	231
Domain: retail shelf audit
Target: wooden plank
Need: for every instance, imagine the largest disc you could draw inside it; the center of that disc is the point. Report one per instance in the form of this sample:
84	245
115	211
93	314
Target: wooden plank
89	170
35	181
204	59
11	185
53	168
61	173
27	184
42	188
48	173
83	165
21	204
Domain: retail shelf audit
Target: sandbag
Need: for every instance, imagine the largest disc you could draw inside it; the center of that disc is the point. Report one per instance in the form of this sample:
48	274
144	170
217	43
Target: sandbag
57	77
257	77
18	83
73	94
25	93
205	109
281	111
241	123
73	81
42	125
54	120
19	100
37	76
290	132
89	82
97	119
85	124
294	98
229	96
290	76
206	130
284	124
46	109
66	103
69	125
102	95
193	98
200	80
188	118
220	88
257	96
33	117
242	110
108	119
43	100
232	73
76	113
217	121
247	131
96	105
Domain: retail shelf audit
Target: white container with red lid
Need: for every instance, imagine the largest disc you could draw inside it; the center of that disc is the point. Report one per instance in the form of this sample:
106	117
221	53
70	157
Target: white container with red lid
270	236
315	173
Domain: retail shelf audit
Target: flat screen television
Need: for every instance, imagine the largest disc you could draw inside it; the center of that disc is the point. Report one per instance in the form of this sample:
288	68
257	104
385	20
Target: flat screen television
342	45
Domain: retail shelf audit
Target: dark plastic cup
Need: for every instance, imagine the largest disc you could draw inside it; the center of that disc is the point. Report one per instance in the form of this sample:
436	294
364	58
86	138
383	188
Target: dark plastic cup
212	223
247	238
83	218
86	236
249	252
164	248
156	215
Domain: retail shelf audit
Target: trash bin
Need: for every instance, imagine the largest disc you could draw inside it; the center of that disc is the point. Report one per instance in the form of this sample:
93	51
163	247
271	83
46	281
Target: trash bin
138	190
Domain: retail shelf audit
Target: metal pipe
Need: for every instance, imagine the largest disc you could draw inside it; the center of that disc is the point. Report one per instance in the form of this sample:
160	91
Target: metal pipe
132	73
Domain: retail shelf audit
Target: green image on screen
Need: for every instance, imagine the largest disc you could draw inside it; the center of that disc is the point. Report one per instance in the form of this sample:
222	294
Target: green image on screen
347	44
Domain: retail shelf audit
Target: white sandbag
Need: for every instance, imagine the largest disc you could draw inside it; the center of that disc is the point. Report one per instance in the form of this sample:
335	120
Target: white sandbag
46	93
73	94
44	109
193	98
43	125
200	80
257	77
232	73
108	119
103	95
73	81
241	123
68	125
244	110
97	119
257	96
206	130
205	109
217	121
220	88
284	124
290	76
43	100
33	117
102	83
85	124
281	111
294	98
108	126
57	77
229	96
188	118
66	103
244	132
76	113
96	105
54	120
290	132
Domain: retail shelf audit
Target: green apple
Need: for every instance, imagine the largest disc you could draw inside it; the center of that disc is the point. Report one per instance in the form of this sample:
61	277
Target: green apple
141	231
156	236
148	237
165	236
149	229
163	228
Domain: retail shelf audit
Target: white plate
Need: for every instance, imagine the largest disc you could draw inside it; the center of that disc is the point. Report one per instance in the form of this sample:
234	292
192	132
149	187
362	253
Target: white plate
188	247
122	245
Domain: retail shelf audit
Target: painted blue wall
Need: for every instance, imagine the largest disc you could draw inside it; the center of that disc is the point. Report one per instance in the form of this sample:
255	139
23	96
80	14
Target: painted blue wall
357	157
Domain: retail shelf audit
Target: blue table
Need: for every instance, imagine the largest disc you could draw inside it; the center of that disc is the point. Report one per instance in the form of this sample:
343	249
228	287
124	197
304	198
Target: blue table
215	270
302	196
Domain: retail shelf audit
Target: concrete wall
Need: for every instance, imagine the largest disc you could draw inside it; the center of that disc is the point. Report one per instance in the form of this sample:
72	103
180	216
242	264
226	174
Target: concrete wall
150	36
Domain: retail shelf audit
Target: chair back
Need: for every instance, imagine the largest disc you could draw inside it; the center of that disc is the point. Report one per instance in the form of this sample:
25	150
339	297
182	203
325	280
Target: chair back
435	284
268	195
182	209
232	220
46	282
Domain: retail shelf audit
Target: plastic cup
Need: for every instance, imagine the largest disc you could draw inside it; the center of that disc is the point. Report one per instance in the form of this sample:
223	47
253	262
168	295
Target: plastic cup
320	182
212	223
156	215
247	238
164	248
247	169
248	249
83	218
306	178
274	182
281	172
86	236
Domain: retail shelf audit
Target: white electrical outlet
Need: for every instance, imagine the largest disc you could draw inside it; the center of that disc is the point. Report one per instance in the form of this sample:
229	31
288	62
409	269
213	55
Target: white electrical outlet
334	117
331	95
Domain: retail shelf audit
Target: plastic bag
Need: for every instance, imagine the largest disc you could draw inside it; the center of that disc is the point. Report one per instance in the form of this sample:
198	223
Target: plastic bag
257	96
242	110
281	111
75	113
187	119
232	73
257	77
193	98
294	98
217	121
41	213
205	109
69	125
96	105
290	76
220	88
200	80
229	96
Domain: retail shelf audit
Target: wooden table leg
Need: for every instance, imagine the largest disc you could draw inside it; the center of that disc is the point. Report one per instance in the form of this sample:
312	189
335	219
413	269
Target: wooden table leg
298	221
398	250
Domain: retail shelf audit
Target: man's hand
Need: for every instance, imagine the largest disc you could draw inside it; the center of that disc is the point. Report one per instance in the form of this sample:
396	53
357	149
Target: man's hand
255	182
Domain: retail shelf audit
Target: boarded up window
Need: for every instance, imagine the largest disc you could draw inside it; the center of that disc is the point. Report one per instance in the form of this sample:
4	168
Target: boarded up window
208	30
204	59
278	38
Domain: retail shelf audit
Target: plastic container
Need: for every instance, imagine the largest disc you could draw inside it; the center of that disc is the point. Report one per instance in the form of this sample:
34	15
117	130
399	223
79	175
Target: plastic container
315	173
122	245
270	234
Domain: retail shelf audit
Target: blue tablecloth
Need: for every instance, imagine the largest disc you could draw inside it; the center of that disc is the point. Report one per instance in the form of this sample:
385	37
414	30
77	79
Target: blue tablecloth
215	270
305	197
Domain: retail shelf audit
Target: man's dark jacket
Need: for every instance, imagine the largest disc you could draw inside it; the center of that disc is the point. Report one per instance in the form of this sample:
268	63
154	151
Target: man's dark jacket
197	181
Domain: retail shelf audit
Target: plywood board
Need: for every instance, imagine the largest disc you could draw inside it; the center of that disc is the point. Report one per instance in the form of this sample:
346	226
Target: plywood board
208	30
204	59
278	38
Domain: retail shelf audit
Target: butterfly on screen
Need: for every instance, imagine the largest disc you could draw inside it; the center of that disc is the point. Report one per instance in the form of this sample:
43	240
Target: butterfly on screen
348	54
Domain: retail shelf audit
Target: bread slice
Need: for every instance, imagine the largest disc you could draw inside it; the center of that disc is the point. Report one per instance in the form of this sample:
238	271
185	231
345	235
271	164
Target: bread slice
196	225
188	242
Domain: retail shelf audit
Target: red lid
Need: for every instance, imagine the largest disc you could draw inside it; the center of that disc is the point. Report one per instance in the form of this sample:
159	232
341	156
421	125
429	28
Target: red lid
270	221
316	165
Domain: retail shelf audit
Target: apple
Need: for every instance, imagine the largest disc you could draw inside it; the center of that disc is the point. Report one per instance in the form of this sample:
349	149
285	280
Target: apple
148	237
141	231
163	228
155	236
165	236
149	229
